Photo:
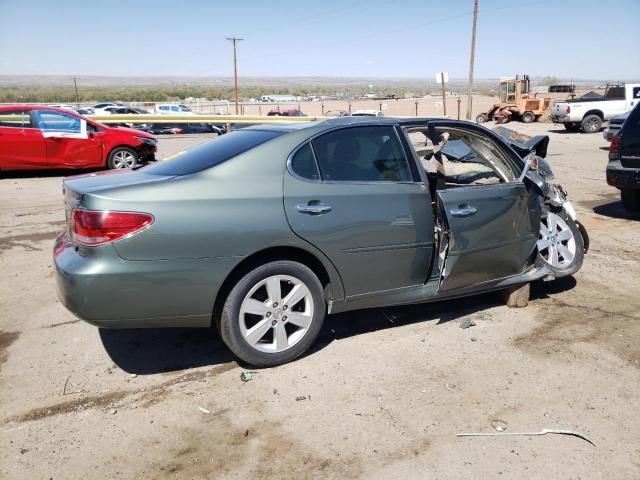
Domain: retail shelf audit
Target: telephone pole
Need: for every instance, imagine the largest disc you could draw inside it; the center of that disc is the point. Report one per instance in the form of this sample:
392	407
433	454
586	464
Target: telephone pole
75	84
235	40
473	52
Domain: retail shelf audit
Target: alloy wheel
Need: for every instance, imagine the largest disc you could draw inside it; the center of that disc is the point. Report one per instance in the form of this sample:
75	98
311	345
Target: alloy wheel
276	313
556	244
124	159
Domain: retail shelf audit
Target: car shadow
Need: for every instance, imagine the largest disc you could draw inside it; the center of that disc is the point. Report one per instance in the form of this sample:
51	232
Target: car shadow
359	322
47	173
151	351
616	210
147	351
606	149
541	290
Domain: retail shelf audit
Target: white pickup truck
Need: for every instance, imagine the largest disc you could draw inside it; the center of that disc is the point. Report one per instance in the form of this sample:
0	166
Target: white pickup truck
589	113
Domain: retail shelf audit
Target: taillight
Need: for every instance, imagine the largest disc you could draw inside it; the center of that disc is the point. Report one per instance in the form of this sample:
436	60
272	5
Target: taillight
93	228
614	148
568	109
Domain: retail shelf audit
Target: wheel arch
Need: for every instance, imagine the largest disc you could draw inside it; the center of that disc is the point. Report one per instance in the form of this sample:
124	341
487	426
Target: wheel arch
327	275
594	111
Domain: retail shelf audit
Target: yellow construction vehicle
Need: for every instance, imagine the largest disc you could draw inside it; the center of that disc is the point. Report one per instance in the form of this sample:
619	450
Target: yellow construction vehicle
515	103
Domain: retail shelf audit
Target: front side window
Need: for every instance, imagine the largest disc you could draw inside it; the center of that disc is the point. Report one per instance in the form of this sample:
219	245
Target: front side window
470	158
367	154
58	121
174	108
636	92
303	163
15	118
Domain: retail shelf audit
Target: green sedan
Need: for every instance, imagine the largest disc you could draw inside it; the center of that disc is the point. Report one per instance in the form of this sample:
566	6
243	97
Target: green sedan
264	231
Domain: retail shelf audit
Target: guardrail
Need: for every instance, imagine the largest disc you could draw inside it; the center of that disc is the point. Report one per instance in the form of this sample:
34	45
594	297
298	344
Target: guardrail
218	119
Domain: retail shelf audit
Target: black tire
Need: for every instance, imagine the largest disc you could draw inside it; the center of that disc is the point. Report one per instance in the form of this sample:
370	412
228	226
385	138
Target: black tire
572	127
116	158
591	124
630	199
482	118
579	255
528	117
229	322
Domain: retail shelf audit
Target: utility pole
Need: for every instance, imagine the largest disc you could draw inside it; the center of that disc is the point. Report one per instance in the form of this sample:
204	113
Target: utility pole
444	96
473	52
75	84
235	40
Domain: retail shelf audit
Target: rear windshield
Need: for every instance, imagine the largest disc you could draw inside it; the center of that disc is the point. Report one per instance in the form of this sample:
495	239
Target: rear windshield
212	153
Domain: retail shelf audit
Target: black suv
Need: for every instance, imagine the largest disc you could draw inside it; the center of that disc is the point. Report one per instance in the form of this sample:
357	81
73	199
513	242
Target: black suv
623	170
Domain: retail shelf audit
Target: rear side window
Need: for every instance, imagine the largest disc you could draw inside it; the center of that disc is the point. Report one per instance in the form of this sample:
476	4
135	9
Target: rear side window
15	118
57	121
212	153
303	163
369	154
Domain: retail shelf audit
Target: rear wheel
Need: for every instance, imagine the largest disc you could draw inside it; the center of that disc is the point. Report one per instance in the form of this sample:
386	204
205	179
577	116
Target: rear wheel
273	314
572	127
631	199
528	117
591	124
122	157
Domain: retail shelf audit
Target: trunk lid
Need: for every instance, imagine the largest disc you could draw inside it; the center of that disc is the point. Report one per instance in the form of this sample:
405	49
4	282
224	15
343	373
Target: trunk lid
559	108
77	188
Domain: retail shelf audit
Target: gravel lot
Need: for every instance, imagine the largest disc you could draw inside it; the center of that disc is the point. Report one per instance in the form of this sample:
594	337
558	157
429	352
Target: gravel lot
386	390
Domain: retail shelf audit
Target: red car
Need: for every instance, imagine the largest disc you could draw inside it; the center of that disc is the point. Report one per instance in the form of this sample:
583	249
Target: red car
38	137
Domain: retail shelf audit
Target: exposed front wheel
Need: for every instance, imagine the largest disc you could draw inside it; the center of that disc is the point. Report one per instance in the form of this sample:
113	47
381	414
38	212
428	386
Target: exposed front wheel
481	118
273	314
591	124
631	199
560	244
122	157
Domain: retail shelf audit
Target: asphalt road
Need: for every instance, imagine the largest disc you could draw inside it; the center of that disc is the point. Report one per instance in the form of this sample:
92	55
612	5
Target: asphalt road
386	391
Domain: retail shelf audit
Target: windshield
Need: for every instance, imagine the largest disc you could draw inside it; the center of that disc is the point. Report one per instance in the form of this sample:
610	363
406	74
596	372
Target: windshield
184	108
212	153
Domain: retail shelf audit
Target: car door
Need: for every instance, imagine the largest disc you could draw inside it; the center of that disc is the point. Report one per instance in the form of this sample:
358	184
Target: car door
67	141
490	219
21	145
353	193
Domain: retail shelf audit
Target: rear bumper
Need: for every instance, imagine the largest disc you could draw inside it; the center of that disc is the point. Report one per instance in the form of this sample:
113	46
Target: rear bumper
560	119
621	177
101	288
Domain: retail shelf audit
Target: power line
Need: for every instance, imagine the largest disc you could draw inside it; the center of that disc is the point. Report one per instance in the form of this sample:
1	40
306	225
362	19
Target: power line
235	40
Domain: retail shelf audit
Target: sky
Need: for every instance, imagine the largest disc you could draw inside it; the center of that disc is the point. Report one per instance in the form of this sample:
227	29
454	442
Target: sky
570	39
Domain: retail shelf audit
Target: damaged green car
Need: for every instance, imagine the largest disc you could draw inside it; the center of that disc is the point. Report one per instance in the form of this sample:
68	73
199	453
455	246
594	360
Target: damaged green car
266	230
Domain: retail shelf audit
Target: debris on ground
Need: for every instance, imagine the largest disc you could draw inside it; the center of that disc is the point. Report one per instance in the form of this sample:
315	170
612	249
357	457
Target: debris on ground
133	375
541	432
246	376
300	398
113	411
466	323
203	410
499	425
474	339
275	391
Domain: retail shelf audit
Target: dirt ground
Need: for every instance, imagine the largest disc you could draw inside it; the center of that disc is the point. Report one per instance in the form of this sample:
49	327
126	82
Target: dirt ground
386	390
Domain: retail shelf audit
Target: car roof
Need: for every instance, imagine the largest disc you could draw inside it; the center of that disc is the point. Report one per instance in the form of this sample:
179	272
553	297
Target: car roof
32	107
333	122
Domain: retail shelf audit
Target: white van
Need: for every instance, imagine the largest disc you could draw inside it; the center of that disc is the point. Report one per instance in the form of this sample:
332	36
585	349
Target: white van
173	109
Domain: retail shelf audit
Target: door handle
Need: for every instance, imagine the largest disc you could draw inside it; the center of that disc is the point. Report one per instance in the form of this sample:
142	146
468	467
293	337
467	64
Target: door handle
317	209
463	211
